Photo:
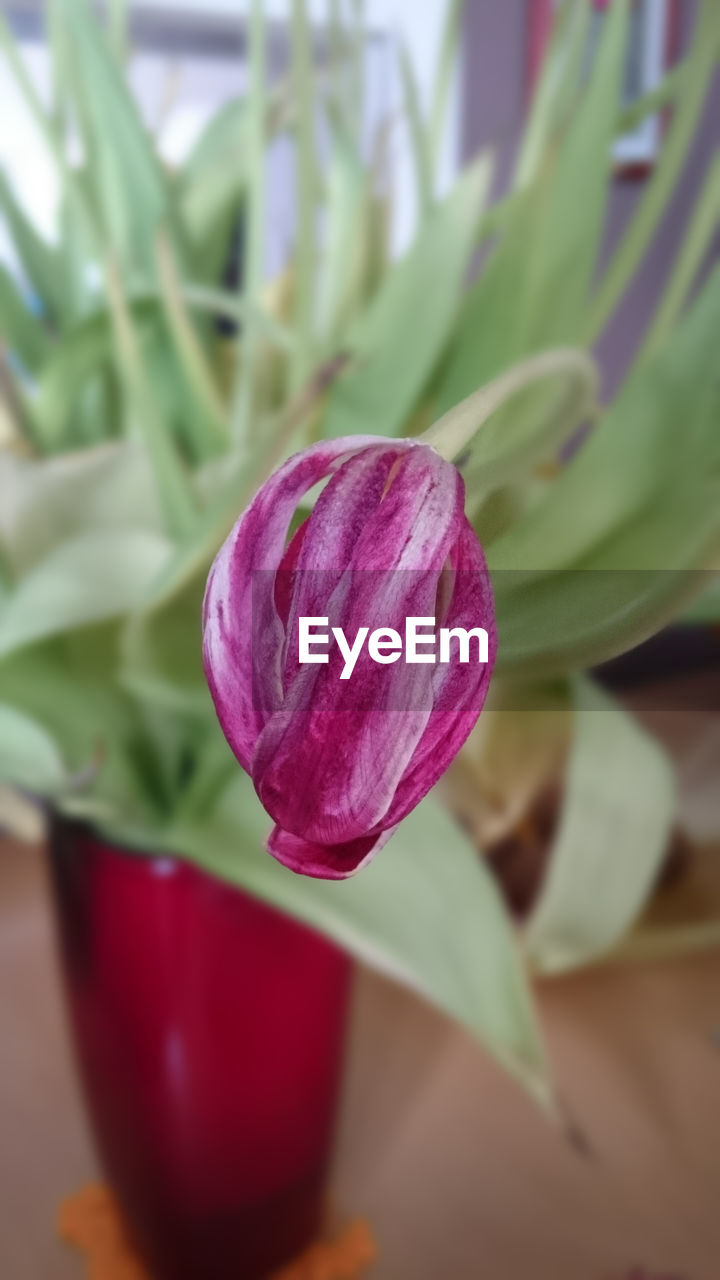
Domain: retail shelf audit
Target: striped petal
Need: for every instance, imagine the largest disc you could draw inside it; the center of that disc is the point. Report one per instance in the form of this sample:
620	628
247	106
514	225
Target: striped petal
243	635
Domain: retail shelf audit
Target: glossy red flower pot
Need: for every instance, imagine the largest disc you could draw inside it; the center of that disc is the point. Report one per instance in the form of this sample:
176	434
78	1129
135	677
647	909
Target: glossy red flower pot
209	1031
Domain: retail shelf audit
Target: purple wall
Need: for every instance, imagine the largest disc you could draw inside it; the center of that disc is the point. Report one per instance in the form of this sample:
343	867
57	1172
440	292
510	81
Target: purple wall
494	55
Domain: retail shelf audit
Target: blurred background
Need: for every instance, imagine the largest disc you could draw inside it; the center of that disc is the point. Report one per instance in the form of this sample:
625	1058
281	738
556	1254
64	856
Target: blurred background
229	230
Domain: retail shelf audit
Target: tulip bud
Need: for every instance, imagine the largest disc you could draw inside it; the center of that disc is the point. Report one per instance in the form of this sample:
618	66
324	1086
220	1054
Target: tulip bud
338	761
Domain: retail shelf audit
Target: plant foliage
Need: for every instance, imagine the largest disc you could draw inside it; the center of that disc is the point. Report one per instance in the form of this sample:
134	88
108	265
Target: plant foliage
142	399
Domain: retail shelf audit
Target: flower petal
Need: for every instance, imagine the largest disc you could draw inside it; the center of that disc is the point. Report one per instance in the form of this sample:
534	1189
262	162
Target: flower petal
328	764
419	518
325	862
459	690
243	661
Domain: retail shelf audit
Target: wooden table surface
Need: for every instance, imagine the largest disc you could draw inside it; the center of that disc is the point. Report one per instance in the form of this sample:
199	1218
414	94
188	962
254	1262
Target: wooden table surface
461	1178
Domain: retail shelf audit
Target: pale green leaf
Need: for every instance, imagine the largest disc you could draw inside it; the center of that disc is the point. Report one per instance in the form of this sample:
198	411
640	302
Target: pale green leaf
206	410
556	85
706	608
698	238
63	687
487	335
346	236
84	350
498	456
658	191
619	802
567	234
623	540
394	359
418	135
129	187
41	264
45	501
87	579
635	451
21	331
533	291
445	71
660	97
161	654
254	228
306	193
171	479
29	757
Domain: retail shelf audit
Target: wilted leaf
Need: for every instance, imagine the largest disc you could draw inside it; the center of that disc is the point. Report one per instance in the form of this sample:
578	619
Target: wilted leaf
619	802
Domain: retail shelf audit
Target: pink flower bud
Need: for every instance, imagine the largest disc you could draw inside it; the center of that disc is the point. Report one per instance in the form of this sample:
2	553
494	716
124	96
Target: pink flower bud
339	760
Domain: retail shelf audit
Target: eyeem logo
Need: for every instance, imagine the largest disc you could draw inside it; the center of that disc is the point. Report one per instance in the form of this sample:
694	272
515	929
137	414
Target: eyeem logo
386	645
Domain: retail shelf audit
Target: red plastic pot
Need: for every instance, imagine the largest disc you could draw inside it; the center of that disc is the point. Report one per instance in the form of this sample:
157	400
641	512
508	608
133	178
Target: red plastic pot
209	1032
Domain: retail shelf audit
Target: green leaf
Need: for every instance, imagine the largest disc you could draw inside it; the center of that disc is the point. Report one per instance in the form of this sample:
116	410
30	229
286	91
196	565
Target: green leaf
45	122
347	234
576	619
660	97
22	332
426	913
707	606
698	238
41	263
623	539
161	654
616	820
213	178
222	303
63	688
83	351
28	756
46	501
171	479
446	66
254	228
119	29
633	453
394	359
418	135
556	85
499	456
206	411
533	292
129	187
87	579
307	189
661	186
566	238
487	336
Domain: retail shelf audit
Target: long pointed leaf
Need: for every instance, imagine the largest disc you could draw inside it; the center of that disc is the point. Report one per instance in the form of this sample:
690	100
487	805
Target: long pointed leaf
395	360
661	186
